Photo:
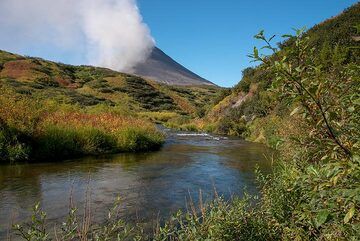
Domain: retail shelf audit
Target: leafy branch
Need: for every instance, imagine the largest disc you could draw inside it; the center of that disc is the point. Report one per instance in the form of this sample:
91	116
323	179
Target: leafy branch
293	68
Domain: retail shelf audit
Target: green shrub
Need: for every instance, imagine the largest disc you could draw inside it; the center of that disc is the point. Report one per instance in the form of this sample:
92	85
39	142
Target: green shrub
13	145
266	130
314	194
77	227
47	82
220	220
148	96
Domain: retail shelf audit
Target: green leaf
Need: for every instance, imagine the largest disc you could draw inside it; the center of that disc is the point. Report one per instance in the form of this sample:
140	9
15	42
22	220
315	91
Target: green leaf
271	38
349	214
260	35
299	31
266	47
321	217
256	53
351	109
356	158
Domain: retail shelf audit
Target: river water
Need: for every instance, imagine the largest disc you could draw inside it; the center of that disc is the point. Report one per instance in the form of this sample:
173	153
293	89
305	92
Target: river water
150	185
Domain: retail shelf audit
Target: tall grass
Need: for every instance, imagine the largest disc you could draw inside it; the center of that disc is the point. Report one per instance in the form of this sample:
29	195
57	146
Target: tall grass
32	130
216	220
78	227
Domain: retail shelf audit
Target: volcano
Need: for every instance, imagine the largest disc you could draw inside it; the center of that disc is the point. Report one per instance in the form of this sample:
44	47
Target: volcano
162	68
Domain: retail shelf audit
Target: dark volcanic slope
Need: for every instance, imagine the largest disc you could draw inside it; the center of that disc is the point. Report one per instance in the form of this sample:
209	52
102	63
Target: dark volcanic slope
164	69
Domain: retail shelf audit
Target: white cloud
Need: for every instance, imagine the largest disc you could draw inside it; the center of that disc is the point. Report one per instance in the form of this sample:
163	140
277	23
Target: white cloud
111	31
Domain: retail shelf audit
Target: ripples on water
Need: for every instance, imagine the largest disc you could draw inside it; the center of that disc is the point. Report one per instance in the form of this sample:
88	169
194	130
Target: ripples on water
150	184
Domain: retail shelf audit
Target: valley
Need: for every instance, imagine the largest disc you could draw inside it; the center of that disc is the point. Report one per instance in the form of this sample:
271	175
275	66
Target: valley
56	111
161	153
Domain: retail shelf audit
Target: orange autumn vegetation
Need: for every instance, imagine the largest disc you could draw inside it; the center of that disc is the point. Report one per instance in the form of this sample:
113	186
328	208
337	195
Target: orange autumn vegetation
46	130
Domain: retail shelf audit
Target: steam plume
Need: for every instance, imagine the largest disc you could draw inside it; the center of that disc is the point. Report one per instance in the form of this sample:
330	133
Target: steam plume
108	33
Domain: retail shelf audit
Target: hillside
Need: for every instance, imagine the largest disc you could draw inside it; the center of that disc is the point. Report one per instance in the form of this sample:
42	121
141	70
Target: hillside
302	100
162	68
52	111
252	98
89	86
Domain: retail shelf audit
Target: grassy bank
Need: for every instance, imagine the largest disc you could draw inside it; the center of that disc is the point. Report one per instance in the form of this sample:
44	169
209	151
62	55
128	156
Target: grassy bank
40	130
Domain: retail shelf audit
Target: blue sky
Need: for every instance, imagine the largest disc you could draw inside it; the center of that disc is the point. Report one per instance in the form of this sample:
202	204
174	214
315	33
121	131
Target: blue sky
212	38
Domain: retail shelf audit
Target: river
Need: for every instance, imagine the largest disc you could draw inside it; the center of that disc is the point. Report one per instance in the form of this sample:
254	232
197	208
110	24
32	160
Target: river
150	185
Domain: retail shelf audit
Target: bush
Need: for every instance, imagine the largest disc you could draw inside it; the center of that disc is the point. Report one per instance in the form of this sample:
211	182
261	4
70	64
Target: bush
314	194
148	96
12	145
220	220
74	227
266	130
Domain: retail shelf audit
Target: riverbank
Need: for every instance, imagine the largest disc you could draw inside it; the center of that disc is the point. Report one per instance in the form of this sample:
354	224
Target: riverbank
303	101
32	130
52	111
151	185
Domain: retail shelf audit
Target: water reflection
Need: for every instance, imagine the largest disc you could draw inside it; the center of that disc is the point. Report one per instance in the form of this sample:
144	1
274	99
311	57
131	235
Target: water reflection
149	184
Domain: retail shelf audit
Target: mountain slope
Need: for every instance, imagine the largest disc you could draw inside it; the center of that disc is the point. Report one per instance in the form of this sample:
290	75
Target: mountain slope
53	111
162	68
250	97
89	86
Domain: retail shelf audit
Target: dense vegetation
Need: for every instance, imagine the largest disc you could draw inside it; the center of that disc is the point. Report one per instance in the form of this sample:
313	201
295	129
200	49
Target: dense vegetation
51	111
252	109
303	100
44	130
89	86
